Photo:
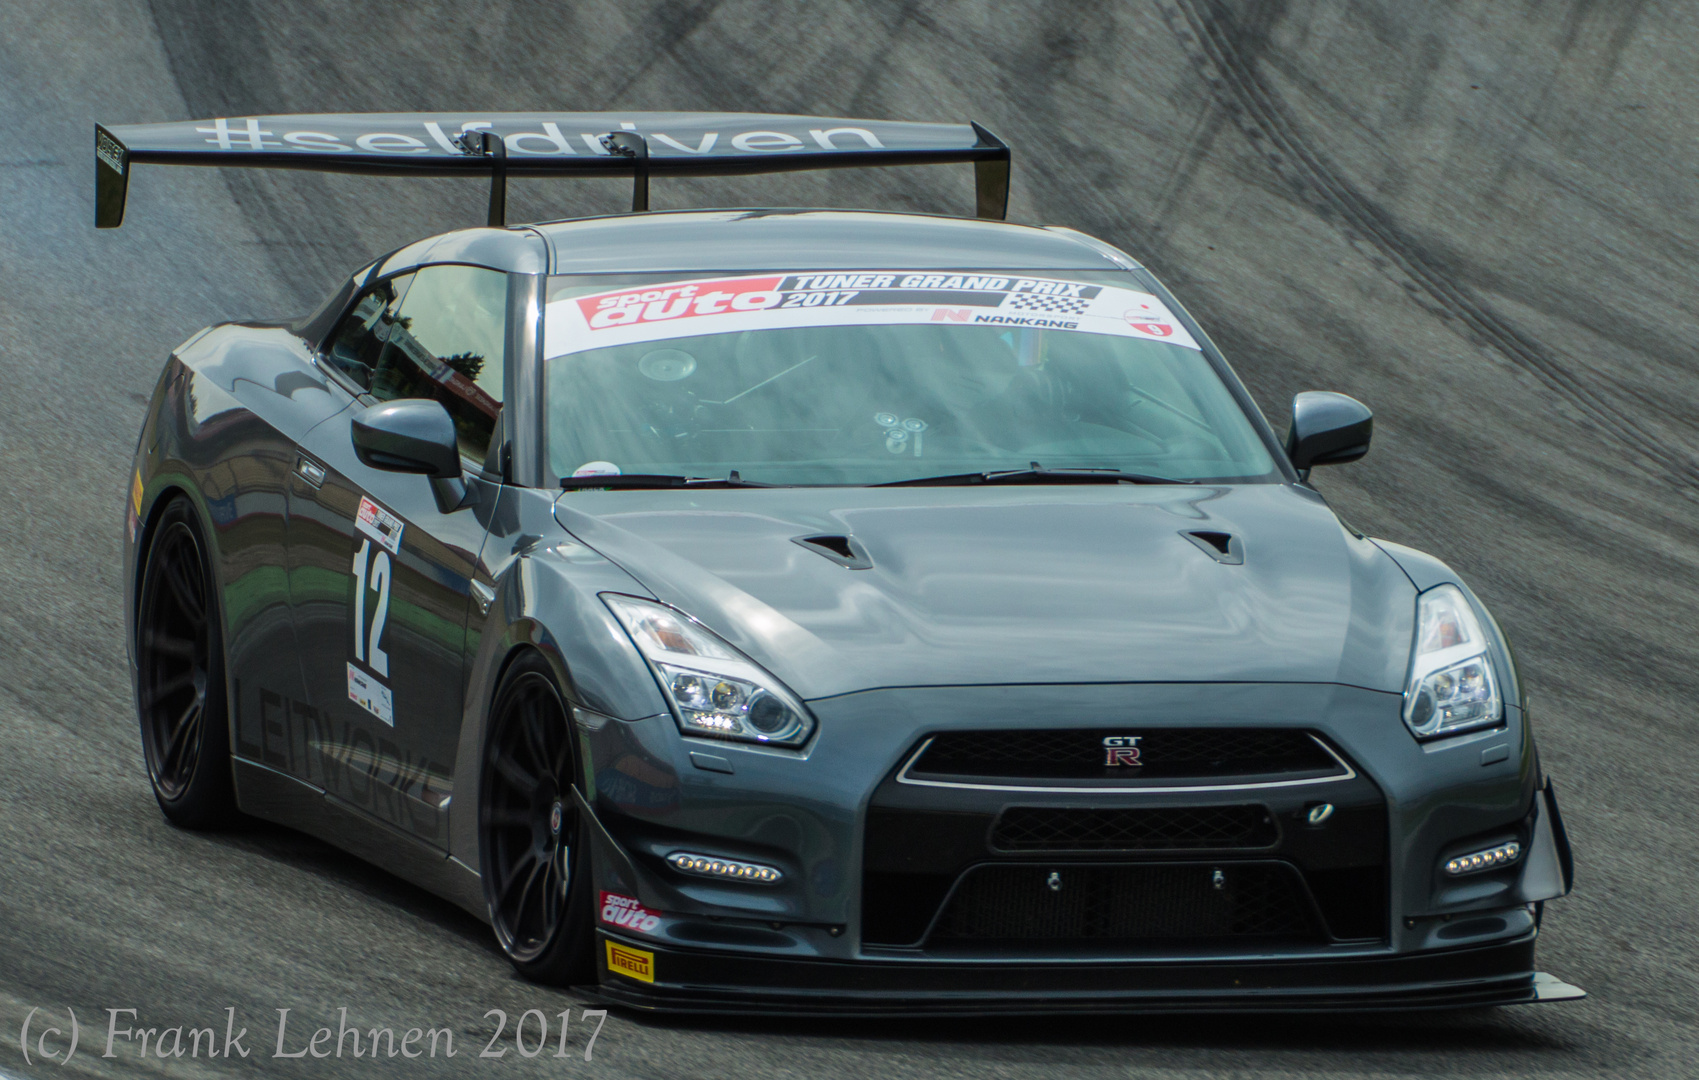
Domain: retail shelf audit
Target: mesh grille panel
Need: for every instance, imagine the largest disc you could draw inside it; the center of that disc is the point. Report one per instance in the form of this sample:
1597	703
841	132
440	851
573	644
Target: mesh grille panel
1168	753
1128	903
1197	828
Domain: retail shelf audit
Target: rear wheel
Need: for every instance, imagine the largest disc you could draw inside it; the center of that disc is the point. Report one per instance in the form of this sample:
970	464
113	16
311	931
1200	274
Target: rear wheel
180	676
536	862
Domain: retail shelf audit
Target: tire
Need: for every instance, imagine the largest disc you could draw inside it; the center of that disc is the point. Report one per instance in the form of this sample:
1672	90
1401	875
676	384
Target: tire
535	850
180	693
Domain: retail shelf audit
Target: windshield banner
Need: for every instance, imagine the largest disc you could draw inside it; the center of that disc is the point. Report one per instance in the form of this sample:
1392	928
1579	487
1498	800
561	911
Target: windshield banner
856	298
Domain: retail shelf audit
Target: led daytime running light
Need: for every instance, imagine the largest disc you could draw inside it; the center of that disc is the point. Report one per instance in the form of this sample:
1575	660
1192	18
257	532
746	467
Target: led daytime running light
1502	855
686	862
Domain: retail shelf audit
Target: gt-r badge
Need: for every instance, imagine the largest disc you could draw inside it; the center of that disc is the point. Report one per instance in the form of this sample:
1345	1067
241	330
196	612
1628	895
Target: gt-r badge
1121	750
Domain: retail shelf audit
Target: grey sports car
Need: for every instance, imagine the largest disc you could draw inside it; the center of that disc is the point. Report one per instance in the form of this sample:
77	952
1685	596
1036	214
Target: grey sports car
816	611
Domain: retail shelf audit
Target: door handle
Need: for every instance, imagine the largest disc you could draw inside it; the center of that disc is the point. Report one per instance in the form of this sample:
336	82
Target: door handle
485	595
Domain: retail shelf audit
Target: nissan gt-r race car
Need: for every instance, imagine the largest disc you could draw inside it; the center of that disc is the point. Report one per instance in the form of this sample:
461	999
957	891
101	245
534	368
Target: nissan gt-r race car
815	611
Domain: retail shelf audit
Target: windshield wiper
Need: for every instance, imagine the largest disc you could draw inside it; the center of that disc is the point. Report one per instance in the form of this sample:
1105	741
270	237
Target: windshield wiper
1037	474
659	480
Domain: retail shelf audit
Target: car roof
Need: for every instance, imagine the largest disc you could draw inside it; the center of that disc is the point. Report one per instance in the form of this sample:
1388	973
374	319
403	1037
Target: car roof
813	240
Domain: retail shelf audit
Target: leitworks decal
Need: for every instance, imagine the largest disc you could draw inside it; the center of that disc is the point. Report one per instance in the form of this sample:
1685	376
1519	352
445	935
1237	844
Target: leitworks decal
861	298
632	963
363	767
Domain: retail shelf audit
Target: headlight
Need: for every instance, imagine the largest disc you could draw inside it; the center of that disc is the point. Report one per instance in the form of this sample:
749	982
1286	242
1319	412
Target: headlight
1452	687
713	689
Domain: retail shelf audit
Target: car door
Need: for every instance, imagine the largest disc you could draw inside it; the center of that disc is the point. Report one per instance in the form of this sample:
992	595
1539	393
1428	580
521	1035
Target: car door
380	574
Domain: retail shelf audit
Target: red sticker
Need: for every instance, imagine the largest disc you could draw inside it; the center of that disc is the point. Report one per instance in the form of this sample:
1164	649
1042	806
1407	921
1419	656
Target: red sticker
1146	321
688	300
627	912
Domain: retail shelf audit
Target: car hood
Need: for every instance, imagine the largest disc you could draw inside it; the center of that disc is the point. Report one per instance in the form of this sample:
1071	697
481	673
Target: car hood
1008	585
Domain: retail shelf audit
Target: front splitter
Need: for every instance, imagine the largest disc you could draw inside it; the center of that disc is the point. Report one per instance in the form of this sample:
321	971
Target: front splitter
694	981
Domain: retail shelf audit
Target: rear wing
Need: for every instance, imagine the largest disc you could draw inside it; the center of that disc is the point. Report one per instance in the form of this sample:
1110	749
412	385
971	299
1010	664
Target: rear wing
498	145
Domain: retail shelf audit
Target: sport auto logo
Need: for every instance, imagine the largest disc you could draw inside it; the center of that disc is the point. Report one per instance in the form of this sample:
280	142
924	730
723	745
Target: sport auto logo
627	912
1121	750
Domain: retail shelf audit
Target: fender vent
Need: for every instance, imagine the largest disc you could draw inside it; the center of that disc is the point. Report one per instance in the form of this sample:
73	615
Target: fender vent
846	551
1220	546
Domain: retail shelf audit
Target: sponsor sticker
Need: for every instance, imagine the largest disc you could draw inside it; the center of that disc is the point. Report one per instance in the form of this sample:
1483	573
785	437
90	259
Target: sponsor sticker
370	695
380	525
106	148
627	912
632	963
859	298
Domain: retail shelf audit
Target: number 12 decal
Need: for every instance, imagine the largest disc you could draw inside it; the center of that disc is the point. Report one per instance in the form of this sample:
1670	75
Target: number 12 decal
372	573
373	570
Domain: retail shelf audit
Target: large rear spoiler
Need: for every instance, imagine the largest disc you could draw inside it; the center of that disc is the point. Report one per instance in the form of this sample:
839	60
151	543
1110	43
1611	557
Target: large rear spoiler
498	145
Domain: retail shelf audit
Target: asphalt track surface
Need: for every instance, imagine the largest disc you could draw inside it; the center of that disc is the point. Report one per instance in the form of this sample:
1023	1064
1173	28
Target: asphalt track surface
1479	217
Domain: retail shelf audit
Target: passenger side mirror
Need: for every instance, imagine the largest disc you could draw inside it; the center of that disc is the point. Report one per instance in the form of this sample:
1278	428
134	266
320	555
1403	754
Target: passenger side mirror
1327	429
413	435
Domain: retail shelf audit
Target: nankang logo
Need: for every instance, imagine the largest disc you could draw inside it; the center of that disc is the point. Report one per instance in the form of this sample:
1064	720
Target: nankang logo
1121	750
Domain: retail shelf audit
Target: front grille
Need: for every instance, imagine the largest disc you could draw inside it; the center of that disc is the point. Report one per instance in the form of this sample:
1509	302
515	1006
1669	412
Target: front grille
1128	904
1195	828
1163	753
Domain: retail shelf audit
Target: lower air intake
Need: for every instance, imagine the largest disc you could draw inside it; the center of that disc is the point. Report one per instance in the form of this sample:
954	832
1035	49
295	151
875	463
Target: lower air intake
1176	828
1196	902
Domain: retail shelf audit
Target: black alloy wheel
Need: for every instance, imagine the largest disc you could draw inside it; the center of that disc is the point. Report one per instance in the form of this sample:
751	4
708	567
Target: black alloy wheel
180	676
536	865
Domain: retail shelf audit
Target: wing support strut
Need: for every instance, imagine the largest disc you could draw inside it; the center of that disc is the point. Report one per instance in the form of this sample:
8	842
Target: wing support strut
631	145
489	144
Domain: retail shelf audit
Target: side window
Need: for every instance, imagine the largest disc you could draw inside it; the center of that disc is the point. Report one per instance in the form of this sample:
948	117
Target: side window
450	343
356	348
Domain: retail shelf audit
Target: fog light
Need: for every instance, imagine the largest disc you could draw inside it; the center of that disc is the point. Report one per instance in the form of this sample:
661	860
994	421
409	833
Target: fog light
726	869
1501	855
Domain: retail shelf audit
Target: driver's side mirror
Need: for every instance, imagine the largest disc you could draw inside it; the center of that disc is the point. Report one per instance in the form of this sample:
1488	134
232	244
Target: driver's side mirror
1327	429
414	435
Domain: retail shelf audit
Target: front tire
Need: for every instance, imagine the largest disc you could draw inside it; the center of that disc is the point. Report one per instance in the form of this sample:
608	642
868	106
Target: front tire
535	851
180	693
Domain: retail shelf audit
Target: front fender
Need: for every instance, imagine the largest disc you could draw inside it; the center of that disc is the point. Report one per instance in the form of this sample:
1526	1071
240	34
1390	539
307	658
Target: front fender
546	598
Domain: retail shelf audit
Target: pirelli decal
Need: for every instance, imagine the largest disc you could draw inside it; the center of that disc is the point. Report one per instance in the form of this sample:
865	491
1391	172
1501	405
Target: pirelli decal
636	964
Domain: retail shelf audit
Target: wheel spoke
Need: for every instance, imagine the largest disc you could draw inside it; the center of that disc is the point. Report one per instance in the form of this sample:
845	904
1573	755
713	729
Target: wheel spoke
544	888
522	781
158	693
562	758
185	591
537	892
524	891
178	648
531	726
177	746
509	817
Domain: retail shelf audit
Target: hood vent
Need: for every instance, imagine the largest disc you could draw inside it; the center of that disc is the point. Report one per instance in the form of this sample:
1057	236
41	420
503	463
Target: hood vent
846	551
1220	546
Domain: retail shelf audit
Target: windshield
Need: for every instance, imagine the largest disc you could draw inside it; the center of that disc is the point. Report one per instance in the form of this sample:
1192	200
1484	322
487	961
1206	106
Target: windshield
872	377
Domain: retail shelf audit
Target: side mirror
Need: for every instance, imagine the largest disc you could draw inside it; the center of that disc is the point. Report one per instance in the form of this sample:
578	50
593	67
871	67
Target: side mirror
413	435
1327	429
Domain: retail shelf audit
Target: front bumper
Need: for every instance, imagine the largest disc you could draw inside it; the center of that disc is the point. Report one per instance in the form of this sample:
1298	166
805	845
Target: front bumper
845	831
699	981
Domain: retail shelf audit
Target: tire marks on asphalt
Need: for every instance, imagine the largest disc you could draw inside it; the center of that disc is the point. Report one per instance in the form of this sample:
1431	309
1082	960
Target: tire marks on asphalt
1216	46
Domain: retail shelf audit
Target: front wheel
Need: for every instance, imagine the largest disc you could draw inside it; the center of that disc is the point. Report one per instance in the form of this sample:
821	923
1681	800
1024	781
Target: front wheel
536	861
180	676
